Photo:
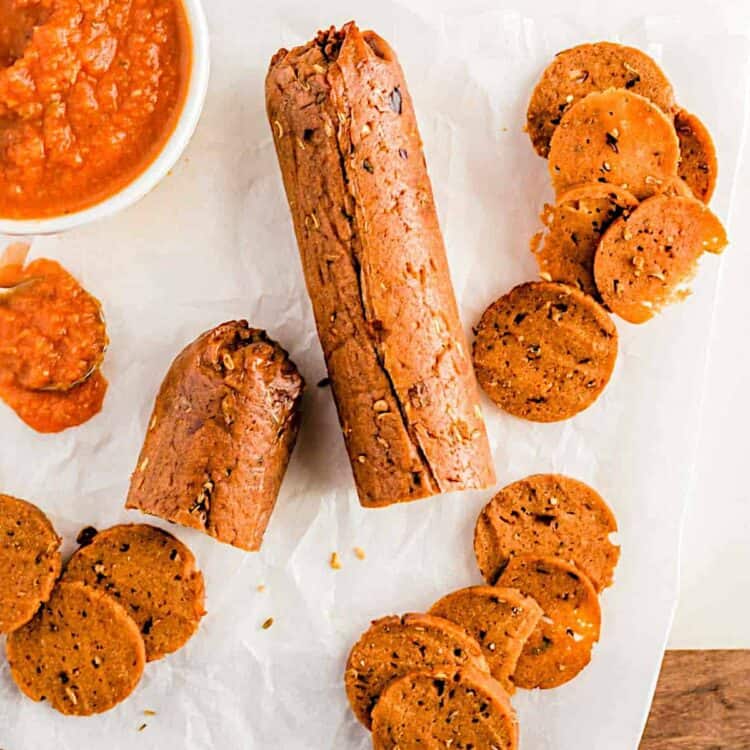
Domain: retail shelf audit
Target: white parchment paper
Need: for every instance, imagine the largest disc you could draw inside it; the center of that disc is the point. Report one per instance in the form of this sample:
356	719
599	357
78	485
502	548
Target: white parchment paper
214	241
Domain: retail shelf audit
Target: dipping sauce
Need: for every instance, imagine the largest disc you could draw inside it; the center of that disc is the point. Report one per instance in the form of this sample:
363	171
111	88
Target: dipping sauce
52	344
90	90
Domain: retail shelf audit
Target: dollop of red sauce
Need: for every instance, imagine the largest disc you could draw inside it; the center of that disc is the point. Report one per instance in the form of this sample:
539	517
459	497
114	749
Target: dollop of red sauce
52	343
90	90
55	411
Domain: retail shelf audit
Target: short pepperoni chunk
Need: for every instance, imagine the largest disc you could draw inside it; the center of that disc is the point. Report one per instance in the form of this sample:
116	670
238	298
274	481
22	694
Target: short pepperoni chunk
617	137
645	260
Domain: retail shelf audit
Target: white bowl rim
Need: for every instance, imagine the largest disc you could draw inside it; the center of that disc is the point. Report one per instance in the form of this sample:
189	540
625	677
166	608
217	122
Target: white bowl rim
158	169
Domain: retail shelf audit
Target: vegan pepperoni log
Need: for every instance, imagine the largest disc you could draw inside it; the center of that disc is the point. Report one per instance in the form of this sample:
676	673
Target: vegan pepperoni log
220	436
376	269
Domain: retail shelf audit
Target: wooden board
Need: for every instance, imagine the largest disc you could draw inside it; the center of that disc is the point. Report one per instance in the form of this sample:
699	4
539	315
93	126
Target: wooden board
702	702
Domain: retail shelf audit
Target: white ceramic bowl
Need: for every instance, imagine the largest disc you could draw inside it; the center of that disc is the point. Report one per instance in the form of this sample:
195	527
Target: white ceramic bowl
167	158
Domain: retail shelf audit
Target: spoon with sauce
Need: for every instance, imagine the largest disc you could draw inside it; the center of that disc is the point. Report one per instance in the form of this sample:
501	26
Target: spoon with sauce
11	262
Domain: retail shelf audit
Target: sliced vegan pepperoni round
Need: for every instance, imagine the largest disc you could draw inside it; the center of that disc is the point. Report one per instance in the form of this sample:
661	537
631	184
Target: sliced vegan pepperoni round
152	574
501	620
577	72
29	558
645	259
544	351
698	163
395	646
550	515
560	646
456	708
618	137
574	225
81	652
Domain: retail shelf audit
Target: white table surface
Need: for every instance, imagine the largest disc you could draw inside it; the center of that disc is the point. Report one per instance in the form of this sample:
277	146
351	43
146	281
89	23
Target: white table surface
714	606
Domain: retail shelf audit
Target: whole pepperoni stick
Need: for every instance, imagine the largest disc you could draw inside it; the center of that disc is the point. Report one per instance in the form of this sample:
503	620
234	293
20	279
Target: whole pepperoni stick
376	270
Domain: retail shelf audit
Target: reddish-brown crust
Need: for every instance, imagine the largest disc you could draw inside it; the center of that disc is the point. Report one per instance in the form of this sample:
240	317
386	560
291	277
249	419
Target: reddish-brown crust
152	574
462	708
544	351
376	270
394	646
560	646
618	137
699	166
52	333
574	225
579	71
547	515
645	259
81	652
220	436
501	620
55	411
29	560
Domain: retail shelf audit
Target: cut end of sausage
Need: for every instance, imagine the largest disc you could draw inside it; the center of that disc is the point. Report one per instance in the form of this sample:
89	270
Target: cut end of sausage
220	435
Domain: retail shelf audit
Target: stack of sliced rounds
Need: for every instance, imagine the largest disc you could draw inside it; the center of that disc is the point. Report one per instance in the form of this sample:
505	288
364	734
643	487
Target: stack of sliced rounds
130	594
501	620
52	344
606	117
573	228
152	575
395	646
547	515
444	679
549	537
544	351
589	68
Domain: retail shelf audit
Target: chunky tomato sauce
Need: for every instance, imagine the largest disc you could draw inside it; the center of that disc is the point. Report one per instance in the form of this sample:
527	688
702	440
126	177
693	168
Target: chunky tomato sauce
52	331
89	92
52	343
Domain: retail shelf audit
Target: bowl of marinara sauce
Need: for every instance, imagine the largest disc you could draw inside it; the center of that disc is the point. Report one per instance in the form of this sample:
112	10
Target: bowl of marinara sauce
98	100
